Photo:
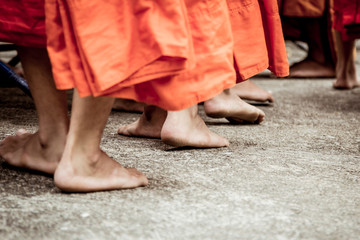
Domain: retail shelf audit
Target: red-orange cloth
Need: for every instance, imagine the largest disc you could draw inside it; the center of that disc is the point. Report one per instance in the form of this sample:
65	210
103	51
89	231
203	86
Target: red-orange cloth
346	16
303	8
23	22
136	49
170	53
297	17
259	42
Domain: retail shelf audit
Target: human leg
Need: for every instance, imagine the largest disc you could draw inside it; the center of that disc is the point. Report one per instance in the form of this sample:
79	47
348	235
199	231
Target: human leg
345	67
176	128
187	128
84	167
318	62
148	125
128	105
42	150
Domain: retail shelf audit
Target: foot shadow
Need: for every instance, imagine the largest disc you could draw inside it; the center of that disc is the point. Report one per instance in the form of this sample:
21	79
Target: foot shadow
17	181
230	123
260	104
6	166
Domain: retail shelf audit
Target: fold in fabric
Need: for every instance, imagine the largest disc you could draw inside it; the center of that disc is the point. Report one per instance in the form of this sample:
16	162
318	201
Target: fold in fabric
259	42
275	44
298	16
23	22
347	18
303	8
169	53
115	42
213	56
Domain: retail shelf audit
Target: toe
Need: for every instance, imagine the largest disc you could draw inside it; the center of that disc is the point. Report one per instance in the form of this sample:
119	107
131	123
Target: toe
139	178
261	117
270	97
120	130
123	130
21	132
225	142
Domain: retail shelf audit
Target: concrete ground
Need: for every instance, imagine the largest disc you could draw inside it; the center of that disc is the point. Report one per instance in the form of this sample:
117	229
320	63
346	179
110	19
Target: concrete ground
295	176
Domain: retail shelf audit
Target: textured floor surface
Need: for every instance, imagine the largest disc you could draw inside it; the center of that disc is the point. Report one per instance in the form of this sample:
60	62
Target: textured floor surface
295	176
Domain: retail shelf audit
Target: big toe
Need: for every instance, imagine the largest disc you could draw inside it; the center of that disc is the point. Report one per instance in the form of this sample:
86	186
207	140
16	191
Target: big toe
213	141
270	97
123	130
255	117
139	179
219	141
261	117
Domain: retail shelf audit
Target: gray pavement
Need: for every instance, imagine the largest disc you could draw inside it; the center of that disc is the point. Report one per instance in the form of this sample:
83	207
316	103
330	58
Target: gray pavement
295	176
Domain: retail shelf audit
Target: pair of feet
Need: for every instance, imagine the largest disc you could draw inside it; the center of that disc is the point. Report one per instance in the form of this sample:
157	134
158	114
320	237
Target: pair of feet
347	82
76	170
98	172
308	68
246	90
187	128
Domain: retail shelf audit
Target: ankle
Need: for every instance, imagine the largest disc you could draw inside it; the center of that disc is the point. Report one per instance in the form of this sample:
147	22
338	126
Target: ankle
194	111
47	136
154	113
351	69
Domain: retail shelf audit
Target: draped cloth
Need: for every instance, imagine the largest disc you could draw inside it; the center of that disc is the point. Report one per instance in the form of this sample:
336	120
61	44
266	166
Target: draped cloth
23	22
298	16
170	53
302	8
347	18
258	38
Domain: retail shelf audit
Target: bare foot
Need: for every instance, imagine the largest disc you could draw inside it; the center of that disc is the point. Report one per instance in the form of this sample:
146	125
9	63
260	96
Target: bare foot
180	128
345	67
248	90
311	69
148	125
228	105
186	128
128	105
81	173
28	151
346	82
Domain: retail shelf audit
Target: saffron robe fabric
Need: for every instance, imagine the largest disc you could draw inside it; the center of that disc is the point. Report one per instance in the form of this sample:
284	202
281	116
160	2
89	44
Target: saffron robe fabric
258	38
347	18
302	8
170	53
158	52
23	22
296	15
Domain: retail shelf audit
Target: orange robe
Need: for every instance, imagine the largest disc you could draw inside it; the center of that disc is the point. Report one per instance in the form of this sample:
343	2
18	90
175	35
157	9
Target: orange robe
347	18
295	15
169	53
259	42
302	8
23	22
